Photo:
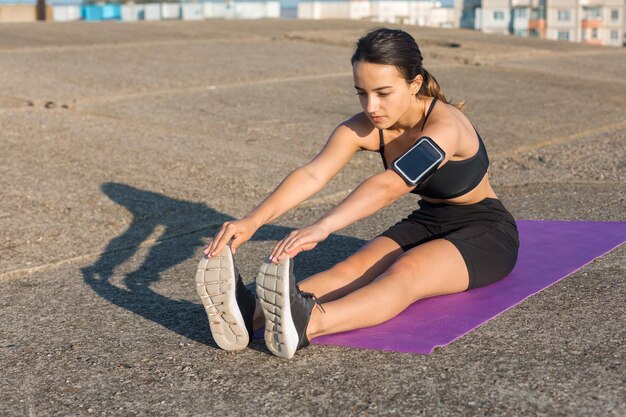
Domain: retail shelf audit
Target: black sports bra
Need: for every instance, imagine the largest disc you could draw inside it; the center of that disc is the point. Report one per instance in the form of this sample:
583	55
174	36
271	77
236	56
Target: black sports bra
453	179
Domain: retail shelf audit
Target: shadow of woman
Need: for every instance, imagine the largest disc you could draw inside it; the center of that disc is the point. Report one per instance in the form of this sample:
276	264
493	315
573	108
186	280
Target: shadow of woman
183	226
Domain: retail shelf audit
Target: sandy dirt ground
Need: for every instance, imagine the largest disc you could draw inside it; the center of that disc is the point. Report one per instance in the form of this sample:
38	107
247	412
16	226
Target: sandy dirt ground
125	146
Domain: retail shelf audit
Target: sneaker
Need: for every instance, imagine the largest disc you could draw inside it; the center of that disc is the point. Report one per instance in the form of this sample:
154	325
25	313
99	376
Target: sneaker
227	301
287	310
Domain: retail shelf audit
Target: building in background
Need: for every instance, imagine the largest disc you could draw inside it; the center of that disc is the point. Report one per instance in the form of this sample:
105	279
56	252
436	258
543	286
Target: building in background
421	13
517	17
17	13
71	10
493	16
594	22
597	22
466	10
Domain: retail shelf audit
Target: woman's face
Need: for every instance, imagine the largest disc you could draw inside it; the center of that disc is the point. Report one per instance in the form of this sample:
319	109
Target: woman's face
385	95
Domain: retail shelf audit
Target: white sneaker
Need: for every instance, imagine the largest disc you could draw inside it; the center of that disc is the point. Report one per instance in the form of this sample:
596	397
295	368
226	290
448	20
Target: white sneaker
228	303
287	309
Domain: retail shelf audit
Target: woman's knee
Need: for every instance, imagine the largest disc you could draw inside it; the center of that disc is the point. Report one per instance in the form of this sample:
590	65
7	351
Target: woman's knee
355	271
434	269
407	265
373	259
405	272
338	276
350	268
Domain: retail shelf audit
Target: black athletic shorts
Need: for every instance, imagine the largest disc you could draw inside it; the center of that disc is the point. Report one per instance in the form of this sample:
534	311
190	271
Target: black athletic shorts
485	233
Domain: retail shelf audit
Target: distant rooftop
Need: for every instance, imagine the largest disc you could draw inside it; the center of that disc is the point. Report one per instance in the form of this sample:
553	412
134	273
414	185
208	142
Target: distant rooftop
284	3
49	2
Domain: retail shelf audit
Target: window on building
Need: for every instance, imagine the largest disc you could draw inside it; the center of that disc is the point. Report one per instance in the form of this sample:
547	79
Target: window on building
594	33
538	13
614	15
563	15
520	13
498	15
614	35
593	13
563	35
521	32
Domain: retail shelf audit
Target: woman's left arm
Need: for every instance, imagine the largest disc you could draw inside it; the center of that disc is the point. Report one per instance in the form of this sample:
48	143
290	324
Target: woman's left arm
373	194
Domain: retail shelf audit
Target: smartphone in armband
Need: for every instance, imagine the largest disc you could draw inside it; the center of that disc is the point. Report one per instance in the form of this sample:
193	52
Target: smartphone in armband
419	162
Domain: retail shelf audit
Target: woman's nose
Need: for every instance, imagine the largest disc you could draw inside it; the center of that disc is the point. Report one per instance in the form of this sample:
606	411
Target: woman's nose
372	105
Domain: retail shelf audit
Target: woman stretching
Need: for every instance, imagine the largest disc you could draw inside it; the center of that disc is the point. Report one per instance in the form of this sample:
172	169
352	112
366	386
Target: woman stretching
460	237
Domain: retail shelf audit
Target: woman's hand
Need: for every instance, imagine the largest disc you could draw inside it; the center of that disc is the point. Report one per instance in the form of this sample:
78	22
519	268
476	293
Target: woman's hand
239	231
298	241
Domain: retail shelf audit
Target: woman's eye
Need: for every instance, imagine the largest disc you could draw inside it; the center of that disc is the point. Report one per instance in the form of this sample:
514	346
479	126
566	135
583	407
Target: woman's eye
383	94
360	94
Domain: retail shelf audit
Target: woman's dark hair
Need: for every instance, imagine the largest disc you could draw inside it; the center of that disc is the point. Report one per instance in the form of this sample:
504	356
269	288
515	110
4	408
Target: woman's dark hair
398	48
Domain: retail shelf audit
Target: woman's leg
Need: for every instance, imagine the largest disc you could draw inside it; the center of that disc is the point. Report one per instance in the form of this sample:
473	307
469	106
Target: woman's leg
433	268
354	272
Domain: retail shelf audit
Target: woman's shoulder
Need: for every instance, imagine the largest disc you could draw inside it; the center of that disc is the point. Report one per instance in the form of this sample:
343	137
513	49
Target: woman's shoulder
448	119
360	128
448	113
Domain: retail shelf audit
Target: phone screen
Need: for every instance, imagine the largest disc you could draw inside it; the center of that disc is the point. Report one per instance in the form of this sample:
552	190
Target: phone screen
418	161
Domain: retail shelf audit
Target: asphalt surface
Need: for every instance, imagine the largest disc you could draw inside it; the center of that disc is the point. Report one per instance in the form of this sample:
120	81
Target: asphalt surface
125	146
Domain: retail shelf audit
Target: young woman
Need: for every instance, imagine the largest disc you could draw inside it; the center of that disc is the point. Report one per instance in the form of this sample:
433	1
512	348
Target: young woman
460	237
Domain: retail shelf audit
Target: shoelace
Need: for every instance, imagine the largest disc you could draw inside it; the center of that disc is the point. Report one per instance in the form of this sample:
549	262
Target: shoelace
313	297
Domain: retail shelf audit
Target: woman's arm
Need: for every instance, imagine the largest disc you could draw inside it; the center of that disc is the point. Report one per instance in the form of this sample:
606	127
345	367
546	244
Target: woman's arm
309	179
370	196
299	185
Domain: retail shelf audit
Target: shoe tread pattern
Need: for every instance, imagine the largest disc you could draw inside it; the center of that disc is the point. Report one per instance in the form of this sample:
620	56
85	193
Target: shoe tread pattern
216	285
273	294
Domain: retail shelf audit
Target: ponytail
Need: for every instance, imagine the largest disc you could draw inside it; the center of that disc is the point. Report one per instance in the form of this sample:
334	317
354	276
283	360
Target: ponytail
430	88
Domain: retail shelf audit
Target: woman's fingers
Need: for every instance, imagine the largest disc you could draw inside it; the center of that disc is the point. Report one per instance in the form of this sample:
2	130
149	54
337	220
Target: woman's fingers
292	240
238	239
296	242
278	249
299	245
301	240
211	246
299	249
220	240
239	231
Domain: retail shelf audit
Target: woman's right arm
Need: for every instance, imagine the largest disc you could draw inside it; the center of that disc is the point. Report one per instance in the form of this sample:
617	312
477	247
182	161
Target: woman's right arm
299	185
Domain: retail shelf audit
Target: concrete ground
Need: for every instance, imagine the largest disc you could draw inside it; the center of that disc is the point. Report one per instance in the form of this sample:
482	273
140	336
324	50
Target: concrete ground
125	146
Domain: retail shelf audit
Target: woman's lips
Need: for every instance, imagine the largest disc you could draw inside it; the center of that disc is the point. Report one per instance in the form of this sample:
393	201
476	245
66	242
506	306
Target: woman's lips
377	118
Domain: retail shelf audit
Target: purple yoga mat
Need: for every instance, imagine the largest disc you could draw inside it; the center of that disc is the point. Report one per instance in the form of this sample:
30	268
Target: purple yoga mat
549	251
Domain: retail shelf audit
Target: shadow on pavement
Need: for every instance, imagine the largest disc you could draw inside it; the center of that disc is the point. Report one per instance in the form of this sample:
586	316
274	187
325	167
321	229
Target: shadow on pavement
151	211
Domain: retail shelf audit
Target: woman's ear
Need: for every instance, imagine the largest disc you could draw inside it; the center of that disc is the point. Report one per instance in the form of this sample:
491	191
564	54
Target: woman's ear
416	84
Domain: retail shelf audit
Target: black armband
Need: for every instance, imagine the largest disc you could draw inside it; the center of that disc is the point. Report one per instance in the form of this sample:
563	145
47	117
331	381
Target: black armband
419	162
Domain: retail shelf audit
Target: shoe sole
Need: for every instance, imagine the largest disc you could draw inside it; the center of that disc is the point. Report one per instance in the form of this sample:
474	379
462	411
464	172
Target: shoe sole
272	288
216	286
